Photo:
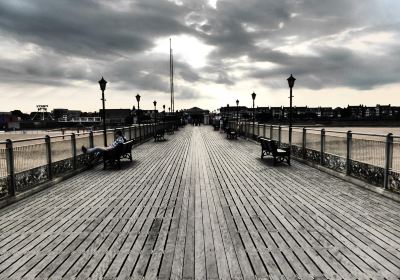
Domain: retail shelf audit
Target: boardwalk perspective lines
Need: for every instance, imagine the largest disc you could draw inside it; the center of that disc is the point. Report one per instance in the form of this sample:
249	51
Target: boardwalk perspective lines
198	206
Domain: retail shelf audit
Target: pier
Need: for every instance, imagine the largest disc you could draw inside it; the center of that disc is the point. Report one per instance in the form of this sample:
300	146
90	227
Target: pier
199	206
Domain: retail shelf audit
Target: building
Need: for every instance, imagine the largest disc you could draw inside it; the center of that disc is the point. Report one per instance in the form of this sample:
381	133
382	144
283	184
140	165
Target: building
196	114
8	121
117	116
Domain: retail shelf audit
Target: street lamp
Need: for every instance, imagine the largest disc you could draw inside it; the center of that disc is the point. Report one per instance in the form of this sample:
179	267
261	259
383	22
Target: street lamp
103	84
155	115
227	114
138	116
253	96
237	111
163	106
290	80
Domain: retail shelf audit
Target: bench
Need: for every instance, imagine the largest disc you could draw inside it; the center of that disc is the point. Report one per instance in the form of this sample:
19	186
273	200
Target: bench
231	133
170	130
269	147
159	136
113	157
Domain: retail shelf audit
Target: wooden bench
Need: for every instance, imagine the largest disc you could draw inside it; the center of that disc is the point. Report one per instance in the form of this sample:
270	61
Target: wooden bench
269	147
231	133
113	157
159	136
170	130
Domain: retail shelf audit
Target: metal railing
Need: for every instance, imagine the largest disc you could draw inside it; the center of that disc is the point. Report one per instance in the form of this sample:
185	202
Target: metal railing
25	163
374	158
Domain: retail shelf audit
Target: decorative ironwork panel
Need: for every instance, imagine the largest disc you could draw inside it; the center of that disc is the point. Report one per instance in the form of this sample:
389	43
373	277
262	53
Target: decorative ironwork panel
3	187
82	160
313	155
366	172
61	167
394	181
297	151
30	178
334	162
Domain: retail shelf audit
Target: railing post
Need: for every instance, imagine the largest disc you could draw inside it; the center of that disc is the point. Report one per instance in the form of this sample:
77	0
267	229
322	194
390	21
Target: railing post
304	147
264	129
279	135
322	147
258	129
348	153
388	159
91	139
130	132
48	152
271	131
73	147
10	167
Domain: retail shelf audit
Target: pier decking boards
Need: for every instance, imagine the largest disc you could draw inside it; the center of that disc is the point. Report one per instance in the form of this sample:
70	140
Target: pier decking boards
199	206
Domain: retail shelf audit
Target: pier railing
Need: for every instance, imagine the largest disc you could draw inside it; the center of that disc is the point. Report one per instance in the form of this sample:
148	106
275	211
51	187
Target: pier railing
26	163
374	158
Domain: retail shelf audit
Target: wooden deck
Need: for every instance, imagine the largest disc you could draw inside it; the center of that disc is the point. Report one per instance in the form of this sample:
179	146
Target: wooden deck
199	206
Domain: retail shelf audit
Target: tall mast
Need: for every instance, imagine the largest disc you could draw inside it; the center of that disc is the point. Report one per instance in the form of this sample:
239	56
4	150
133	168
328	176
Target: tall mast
171	75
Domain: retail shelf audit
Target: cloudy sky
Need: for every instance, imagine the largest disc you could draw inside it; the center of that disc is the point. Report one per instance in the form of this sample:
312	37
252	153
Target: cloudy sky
341	52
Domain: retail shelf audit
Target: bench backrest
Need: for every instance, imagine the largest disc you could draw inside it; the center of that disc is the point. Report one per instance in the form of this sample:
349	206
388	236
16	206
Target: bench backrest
127	146
264	144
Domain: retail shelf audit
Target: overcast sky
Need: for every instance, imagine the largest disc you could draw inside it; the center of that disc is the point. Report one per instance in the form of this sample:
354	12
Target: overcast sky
341	52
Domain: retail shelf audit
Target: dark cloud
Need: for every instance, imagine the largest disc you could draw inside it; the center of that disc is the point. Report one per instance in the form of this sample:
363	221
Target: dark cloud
82	40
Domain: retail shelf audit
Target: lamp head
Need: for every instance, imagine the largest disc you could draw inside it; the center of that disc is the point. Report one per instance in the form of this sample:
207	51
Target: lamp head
291	80
102	83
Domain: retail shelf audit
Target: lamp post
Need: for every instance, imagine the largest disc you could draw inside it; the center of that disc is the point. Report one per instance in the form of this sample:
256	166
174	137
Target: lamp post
253	96
227	114
103	84
290	80
138	116
237	111
155	115
163	106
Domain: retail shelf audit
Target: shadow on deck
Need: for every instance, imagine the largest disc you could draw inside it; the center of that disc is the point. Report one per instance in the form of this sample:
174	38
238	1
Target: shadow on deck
200	206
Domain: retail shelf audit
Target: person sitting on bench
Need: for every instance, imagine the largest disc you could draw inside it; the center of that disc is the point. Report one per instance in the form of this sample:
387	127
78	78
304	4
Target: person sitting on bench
98	151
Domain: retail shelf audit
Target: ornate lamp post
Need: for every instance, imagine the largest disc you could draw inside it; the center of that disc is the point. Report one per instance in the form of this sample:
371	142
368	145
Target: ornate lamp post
163	106
290	80
155	115
227	114
253	96
237	111
138	116
103	84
